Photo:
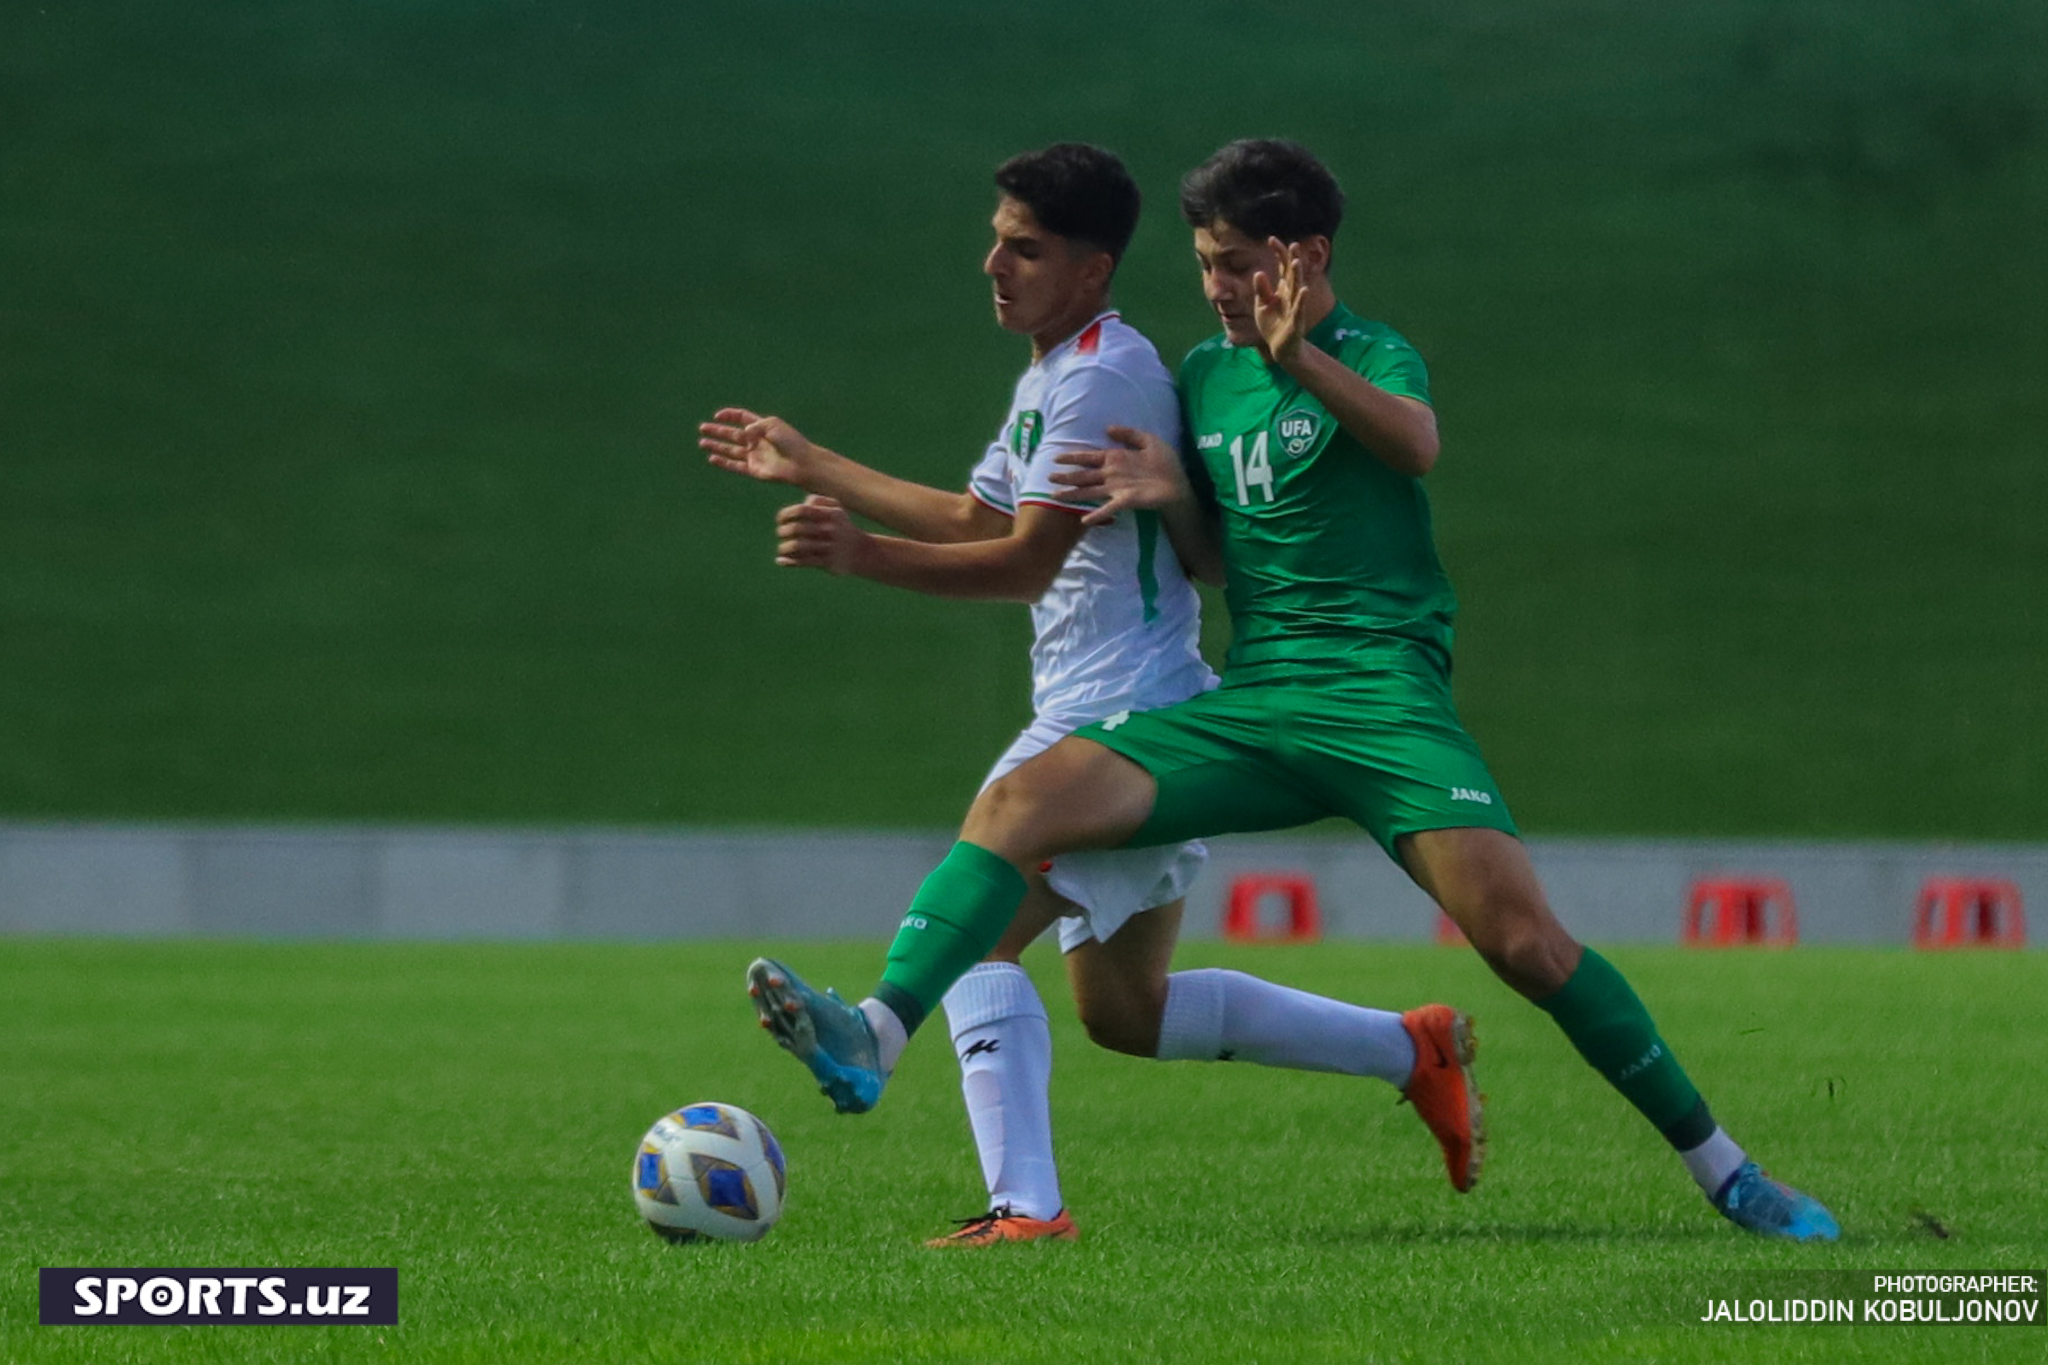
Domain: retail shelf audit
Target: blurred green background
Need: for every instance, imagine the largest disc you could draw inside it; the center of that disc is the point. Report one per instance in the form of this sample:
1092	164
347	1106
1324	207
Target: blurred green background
350	357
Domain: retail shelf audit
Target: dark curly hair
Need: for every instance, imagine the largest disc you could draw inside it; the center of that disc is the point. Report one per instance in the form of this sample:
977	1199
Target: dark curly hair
1078	191
1264	187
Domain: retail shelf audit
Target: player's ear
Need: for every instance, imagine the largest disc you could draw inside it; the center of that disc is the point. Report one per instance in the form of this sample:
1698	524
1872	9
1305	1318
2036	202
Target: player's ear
1315	255
1100	268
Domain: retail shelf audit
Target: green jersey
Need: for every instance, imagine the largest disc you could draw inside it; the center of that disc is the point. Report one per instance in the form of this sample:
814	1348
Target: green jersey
1330	566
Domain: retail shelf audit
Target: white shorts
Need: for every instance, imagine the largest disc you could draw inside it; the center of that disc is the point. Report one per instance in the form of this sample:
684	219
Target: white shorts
1108	885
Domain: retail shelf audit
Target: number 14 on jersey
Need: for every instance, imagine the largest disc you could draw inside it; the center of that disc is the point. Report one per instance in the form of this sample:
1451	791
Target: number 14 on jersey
1254	470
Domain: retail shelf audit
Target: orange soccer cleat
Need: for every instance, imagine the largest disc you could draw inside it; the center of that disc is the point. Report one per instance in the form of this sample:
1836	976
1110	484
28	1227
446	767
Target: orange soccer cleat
1442	1089
1001	1225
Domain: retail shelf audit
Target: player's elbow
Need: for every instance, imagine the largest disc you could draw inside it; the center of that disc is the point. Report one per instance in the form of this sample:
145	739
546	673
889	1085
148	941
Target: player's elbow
1414	457
1423	448
1004	576
1027	562
970	519
1031	580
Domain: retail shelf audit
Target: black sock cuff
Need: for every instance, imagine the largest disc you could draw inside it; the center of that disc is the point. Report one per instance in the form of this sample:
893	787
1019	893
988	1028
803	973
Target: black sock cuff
1694	1128
904	1006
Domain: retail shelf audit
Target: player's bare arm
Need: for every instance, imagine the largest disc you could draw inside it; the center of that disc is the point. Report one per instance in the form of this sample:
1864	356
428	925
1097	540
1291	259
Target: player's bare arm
1142	473
1400	430
769	449
818	533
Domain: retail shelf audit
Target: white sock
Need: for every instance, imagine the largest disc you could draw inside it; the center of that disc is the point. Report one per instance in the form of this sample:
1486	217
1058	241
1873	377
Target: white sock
1005	1048
1215	1015
1713	1161
890	1039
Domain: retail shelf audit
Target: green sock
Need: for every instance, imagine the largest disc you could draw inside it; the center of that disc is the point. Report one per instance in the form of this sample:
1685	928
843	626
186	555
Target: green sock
1611	1029
958	915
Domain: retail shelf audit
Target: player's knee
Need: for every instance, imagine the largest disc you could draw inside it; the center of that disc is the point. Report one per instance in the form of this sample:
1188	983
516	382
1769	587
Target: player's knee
1118	1034
1028	813
1129	1026
1005	819
1530	952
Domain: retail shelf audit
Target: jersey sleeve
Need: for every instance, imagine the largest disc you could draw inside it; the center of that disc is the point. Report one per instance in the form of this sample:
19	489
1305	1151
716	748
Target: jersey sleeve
990	481
1389	362
1085	405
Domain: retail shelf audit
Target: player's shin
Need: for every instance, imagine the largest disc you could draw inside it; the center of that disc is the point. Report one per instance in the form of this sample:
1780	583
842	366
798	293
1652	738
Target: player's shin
957	916
1004	1042
1611	1029
1212	1014
1607	1023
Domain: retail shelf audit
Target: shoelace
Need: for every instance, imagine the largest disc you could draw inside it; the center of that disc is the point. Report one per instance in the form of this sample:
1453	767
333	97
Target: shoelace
984	1221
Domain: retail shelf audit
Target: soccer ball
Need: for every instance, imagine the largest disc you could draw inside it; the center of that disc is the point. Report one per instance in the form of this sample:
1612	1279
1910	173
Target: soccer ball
709	1170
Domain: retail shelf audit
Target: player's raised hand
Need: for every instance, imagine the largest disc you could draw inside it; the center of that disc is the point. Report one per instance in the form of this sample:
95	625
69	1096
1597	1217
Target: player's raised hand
1280	304
1139	473
817	533
764	448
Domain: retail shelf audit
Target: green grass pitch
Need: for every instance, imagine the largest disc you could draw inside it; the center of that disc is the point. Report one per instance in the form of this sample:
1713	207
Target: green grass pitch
468	1114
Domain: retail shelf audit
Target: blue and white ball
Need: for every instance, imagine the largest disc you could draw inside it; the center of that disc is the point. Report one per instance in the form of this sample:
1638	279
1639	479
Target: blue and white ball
709	1171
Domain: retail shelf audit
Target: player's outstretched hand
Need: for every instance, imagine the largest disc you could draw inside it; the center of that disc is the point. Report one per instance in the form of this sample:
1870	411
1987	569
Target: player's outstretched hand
1139	473
1280	306
817	533
764	448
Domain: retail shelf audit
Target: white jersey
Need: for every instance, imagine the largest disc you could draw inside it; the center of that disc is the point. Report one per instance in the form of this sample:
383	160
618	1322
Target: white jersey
1118	629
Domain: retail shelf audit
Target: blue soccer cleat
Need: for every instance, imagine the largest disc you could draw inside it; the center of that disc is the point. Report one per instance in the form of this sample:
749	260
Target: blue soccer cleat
823	1032
1771	1208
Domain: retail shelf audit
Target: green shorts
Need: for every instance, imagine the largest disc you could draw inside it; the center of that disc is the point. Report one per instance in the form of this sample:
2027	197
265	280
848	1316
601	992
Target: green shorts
1384	750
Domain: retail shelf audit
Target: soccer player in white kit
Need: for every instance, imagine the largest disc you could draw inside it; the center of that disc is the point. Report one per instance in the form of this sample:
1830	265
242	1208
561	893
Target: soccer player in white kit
1115	622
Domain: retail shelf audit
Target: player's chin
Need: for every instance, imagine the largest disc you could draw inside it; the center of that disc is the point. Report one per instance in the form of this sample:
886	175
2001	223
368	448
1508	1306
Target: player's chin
1240	332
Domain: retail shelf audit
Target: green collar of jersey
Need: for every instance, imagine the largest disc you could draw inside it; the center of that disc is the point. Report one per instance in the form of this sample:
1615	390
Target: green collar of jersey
1323	336
1326	336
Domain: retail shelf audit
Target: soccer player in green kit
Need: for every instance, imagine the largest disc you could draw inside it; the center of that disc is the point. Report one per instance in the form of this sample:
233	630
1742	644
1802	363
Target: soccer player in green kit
1311	431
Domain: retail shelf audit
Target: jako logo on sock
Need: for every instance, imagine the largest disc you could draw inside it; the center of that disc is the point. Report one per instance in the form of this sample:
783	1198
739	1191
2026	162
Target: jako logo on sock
915	922
1641	1063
